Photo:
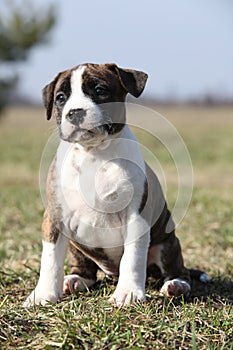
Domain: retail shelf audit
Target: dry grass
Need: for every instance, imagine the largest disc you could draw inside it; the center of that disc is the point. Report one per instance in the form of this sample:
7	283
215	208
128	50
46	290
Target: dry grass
86	321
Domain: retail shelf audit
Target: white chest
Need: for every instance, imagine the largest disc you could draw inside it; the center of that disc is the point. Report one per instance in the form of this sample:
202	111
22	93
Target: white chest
96	188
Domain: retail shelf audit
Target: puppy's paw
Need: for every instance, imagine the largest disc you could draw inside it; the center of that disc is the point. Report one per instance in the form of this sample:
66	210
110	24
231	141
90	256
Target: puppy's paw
175	287
124	297
41	297
74	283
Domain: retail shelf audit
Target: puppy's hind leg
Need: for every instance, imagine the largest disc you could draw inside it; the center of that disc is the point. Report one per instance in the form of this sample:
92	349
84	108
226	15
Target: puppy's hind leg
170	261
83	271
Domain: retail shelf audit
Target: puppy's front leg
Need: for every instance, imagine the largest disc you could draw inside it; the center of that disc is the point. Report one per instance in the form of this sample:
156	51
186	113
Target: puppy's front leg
132	273
49	286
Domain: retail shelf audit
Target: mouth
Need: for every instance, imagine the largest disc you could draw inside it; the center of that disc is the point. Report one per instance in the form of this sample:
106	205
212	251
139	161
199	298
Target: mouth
84	135
80	134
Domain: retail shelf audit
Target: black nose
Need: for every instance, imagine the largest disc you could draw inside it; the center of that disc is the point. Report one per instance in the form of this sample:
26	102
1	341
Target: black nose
76	116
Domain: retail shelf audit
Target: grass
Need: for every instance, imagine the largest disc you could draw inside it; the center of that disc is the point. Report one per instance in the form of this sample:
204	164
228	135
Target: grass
86	320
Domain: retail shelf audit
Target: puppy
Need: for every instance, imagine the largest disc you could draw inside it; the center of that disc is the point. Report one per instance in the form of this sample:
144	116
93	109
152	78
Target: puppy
104	203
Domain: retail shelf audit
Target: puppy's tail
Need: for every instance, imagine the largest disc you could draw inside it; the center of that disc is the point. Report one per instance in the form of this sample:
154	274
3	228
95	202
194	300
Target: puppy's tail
199	275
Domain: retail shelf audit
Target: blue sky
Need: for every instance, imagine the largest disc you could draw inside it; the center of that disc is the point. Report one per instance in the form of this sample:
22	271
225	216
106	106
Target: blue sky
186	46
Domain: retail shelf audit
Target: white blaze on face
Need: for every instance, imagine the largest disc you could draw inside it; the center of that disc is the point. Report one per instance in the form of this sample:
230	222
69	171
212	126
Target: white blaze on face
78	100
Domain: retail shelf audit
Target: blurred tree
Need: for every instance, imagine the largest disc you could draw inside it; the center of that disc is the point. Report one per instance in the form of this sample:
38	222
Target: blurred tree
22	27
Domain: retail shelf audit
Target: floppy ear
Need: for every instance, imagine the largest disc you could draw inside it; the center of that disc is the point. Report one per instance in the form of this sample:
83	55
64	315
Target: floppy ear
48	96
133	81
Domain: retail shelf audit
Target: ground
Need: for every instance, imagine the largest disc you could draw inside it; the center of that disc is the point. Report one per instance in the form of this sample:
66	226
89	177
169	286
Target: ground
87	321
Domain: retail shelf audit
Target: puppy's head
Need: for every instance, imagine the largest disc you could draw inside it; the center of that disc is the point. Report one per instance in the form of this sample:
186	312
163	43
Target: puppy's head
87	100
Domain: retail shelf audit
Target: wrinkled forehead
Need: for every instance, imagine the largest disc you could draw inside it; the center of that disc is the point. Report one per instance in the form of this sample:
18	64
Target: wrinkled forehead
99	72
87	76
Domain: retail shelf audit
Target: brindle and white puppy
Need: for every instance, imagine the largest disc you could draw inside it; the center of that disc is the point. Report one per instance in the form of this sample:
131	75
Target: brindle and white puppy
103	201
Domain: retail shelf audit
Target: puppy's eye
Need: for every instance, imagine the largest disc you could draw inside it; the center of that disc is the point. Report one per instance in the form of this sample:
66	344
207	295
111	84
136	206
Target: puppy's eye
101	91
60	98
